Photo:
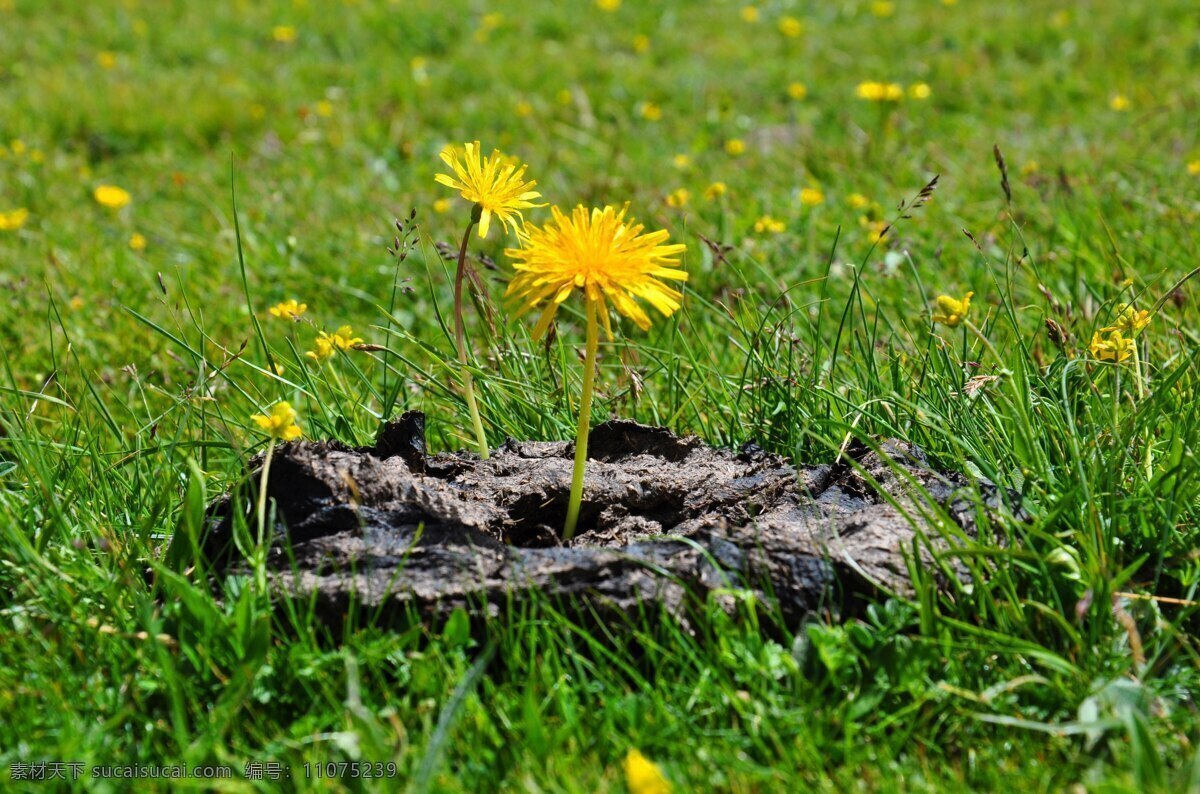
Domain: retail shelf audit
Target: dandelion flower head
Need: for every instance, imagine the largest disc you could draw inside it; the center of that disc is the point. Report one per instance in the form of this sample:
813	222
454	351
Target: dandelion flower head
602	253
497	186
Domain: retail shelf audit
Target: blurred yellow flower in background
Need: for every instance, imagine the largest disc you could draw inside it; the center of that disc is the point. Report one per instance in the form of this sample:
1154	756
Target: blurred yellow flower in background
643	776
1119	103
111	196
920	91
952	311
857	201
280	424
797	90
679	197
883	8
284	34
715	190
749	14
873	91
641	43
811	197
650	111
106	59
735	146
497	186
766	223
13	219
791	27
608	5
137	241
1193	168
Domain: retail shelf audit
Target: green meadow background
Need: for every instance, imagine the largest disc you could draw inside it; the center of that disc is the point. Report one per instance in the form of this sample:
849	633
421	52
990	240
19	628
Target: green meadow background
267	148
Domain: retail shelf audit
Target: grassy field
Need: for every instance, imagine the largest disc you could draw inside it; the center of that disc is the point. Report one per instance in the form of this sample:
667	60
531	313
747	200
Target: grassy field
137	346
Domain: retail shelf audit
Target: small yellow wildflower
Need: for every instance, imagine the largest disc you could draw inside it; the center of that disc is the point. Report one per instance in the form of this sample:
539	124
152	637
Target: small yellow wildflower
651	111
951	310
1060	19
111	196
883	8
280	424
857	201
1130	321
137	241
324	108
873	91
327	344
523	109
1193	168
602	253
37	156
441	205
919	91
790	27
749	14
679	197
1119	103
641	43
106	59
811	197
284	34
492	21
735	147
496	186
682	161
289	309
642	776
797	90
14	219
715	190
565	97
1030	168
1115	348
878	229
608	5
768	224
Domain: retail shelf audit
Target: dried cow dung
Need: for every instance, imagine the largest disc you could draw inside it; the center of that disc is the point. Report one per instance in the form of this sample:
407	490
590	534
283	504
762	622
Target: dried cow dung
665	520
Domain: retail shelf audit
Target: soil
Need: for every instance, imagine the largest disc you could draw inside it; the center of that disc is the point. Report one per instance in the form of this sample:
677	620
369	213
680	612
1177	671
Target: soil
665	520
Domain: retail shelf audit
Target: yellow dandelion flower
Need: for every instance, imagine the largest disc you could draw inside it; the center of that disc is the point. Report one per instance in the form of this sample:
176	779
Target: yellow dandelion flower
1115	348
111	196
13	219
280	424
735	147
495	186
1193	168
602	253
791	27
137	241
857	201
523	109
749	14
1130	321
952	311
641	43
1119	103
289	309
715	190
769	224
643	776
284	34
650	111
442	205
811	197
106	59
608	5
679	197
883	8
919	91
682	161
797	90
324	108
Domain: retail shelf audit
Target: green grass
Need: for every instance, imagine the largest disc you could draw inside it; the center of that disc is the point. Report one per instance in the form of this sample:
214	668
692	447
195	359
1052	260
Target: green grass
127	378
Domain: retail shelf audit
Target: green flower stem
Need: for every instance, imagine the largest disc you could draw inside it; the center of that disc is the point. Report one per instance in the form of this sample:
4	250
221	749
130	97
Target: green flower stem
585	416
460	338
